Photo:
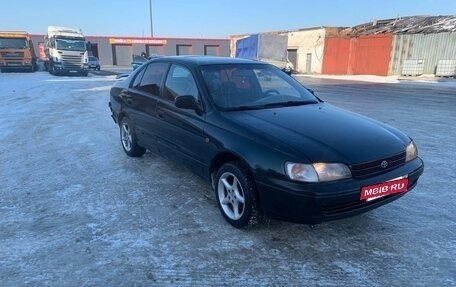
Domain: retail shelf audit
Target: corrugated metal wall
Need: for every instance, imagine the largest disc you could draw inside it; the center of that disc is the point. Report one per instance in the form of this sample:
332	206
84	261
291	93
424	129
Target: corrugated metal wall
428	47
364	55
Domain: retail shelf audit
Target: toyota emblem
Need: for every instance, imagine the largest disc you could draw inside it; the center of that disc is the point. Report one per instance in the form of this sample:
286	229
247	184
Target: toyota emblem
384	164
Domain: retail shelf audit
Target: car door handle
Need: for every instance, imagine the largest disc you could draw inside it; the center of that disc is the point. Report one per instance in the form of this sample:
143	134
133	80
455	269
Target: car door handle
161	114
127	98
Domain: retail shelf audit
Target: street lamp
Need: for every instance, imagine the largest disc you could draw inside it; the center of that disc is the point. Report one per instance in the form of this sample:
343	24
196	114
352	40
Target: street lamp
151	25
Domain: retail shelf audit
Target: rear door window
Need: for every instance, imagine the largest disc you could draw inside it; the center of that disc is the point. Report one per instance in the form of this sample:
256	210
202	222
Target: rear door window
138	78
152	78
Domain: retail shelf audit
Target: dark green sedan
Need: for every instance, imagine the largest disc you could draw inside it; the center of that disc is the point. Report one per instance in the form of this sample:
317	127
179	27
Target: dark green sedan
268	146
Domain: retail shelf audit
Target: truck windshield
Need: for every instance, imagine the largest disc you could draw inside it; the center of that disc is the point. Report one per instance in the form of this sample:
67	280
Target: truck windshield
70	44
14	43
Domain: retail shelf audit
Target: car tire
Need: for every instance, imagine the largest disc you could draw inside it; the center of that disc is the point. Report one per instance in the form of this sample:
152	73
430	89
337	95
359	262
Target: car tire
235	194
128	139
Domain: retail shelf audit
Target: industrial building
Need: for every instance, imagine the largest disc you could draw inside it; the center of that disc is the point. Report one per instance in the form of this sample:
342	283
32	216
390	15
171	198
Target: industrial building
119	50
408	46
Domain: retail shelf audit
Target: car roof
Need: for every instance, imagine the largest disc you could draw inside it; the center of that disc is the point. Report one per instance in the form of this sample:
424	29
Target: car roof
206	60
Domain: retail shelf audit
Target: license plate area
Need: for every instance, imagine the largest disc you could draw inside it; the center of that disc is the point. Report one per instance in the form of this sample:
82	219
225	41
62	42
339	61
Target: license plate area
372	192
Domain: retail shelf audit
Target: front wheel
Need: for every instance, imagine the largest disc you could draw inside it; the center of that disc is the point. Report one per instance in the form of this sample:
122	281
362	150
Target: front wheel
52	70
234	191
128	139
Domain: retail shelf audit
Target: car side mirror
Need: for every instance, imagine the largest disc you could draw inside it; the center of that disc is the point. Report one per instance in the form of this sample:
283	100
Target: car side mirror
186	102
121	76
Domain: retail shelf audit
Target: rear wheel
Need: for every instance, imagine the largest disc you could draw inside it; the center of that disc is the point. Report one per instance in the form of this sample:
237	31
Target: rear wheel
128	139
234	191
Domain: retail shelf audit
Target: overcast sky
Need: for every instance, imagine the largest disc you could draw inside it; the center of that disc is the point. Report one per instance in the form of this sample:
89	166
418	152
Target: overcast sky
205	18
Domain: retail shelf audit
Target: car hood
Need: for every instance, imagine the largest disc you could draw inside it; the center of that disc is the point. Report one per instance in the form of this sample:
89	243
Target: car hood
322	133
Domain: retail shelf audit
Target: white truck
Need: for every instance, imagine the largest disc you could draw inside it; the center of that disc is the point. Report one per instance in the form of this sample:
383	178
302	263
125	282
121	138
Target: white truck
266	47
66	51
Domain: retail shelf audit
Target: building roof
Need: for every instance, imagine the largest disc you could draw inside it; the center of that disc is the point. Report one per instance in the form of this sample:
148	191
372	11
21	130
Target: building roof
407	25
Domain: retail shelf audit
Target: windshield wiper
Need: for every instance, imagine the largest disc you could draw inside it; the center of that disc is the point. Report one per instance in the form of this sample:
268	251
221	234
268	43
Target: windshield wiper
299	103
285	104
241	108
271	105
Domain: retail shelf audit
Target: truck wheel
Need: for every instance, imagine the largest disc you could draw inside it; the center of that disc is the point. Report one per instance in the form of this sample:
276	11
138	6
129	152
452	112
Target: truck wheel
52	69
128	139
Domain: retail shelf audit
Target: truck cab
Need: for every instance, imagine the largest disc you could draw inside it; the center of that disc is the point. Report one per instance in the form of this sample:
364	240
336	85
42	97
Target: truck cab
16	52
66	51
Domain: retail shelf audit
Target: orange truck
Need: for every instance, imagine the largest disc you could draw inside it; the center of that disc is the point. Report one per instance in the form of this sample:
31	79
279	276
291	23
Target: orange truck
16	52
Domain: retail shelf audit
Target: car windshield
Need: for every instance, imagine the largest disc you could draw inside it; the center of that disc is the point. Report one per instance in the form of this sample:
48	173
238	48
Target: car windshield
92	58
253	86
70	44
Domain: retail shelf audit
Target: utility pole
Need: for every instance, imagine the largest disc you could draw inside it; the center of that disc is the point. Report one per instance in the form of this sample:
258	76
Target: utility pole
151	24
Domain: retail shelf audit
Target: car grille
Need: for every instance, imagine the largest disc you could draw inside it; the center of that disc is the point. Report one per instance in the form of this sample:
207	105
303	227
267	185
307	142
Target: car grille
12	56
71	62
375	167
338	209
347	207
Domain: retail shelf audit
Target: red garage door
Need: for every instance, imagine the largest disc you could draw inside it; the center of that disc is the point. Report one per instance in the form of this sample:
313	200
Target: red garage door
336	55
364	55
371	55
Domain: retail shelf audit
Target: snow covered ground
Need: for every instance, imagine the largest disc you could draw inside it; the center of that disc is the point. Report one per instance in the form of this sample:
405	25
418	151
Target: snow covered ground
76	211
419	80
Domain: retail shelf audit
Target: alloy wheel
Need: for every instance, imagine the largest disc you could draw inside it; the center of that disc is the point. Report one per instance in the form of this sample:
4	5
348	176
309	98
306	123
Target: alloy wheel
126	136
231	196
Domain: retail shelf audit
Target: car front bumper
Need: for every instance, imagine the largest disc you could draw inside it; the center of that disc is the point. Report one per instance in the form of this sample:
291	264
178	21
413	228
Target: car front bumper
313	203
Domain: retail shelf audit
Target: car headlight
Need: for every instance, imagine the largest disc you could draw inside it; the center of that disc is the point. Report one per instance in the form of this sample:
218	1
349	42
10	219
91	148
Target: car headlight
317	172
411	151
